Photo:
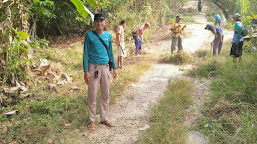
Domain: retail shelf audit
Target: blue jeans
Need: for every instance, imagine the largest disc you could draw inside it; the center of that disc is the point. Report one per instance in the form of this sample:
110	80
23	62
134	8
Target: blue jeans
138	43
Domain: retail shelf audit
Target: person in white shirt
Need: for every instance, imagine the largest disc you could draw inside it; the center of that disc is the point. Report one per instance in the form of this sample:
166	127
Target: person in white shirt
120	42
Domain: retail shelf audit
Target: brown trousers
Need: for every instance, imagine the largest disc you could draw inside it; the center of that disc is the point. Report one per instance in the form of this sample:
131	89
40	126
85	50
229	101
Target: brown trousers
103	78
218	42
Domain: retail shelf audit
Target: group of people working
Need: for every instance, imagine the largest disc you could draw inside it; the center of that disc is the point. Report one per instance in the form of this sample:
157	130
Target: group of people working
237	41
216	44
98	56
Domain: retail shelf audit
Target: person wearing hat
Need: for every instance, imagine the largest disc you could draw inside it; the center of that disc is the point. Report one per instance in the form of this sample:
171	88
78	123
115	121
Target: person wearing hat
218	38
217	19
96	56
238	41
177	30
120	42
138	36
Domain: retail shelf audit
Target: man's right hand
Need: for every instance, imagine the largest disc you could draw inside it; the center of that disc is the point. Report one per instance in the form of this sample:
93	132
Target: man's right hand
87	77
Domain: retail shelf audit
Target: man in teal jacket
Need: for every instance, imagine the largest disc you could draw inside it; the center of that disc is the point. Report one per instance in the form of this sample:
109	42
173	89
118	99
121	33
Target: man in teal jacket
238	41
96	70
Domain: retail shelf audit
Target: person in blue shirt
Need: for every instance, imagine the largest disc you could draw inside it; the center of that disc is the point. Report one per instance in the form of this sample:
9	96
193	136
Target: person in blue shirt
96	70
238	41
217	19
218	39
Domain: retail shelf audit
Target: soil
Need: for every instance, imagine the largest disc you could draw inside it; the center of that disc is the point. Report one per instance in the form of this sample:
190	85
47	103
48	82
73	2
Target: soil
132	110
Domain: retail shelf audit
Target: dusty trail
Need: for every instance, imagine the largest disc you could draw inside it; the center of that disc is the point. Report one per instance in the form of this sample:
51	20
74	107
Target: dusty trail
132	111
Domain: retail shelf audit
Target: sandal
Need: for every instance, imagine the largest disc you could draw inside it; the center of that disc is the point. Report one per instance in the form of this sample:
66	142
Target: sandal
91	125
107	123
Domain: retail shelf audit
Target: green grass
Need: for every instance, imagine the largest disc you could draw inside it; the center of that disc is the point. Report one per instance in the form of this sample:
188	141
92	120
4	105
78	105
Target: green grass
230	115
39	121
208	67
167	121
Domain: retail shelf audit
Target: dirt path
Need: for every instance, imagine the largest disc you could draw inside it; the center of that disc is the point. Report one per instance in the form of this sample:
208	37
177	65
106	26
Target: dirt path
131	113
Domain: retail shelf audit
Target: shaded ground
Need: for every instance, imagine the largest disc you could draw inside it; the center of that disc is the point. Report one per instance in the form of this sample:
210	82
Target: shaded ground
131	112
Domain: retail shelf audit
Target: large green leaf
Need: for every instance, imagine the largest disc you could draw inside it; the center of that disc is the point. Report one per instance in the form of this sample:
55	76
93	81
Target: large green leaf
25	43
25	59
24	49
22	35
80	7
92	3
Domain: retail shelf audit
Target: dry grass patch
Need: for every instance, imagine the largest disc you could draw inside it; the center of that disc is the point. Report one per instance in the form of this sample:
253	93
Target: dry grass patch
201	53
176	58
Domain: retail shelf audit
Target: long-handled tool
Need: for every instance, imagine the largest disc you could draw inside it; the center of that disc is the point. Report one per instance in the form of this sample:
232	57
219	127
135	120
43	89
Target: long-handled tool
146	45
122	50
211	47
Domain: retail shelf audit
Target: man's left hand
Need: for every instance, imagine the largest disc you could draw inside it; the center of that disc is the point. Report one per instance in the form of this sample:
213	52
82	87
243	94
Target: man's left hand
114	73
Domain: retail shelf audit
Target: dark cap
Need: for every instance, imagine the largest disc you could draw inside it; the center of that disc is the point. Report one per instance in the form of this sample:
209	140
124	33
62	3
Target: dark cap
207	26
122	22
99	16
178	17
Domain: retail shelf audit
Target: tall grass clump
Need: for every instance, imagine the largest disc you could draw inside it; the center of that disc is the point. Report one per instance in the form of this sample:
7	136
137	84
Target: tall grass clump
176	58
201	53
208	67
230	115
167	121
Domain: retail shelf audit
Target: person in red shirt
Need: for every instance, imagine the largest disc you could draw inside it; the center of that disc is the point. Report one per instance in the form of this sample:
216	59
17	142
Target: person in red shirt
138	36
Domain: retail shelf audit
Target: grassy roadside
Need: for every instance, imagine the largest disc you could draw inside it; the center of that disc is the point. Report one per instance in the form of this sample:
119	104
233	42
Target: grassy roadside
47	116
230	115
167	121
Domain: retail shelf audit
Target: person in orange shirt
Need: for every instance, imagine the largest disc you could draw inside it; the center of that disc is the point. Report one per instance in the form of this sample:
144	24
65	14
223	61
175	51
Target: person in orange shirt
177	30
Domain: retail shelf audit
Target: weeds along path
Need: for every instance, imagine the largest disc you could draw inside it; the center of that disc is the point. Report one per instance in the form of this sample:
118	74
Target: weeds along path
131	112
